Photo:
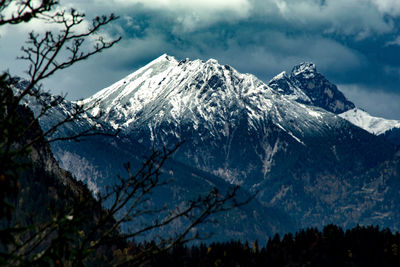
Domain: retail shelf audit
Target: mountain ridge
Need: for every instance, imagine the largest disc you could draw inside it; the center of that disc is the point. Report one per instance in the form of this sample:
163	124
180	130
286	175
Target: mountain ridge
202	101
374	125
303	160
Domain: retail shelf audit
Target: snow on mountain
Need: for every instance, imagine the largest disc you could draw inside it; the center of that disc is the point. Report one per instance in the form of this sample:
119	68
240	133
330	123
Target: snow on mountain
374	125
203	102
284	85
169	91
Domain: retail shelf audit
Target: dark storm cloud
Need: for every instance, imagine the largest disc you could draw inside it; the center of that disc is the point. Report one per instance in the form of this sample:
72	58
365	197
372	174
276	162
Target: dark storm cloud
257	44
353	42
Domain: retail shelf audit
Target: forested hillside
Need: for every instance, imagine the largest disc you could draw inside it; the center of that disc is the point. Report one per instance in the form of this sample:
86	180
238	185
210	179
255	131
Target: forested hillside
332	246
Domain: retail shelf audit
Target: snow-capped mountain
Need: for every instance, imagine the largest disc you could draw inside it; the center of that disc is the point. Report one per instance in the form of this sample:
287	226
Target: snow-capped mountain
390	129
283	140
374	125
166	90
305	84
205	95
280	141
233	115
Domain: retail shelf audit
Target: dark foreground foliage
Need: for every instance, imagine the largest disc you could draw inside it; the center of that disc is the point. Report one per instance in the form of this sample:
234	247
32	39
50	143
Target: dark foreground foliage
360	246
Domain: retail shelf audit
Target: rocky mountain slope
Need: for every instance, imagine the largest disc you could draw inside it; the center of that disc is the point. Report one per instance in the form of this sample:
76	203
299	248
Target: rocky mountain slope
283	140
306	85
50	206
236	115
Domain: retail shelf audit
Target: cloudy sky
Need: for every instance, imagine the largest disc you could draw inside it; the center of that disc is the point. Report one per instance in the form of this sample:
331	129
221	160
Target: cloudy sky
354	43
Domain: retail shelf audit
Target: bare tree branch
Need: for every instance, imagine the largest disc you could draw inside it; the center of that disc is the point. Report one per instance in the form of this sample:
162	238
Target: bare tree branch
24	10
46	54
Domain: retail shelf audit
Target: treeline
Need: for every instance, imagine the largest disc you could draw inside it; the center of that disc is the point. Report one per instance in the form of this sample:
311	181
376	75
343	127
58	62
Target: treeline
360	246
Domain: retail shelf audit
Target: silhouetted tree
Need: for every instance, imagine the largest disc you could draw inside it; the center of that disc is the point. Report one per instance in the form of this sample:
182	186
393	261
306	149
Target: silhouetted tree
46	54
70	237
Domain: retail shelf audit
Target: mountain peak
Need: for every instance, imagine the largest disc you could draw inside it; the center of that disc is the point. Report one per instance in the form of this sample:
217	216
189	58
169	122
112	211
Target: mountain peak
212	61
282	75
322	92
306	85
162	58
305	68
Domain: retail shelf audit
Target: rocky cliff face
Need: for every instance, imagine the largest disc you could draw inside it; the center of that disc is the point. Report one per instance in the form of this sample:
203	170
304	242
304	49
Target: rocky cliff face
305	84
